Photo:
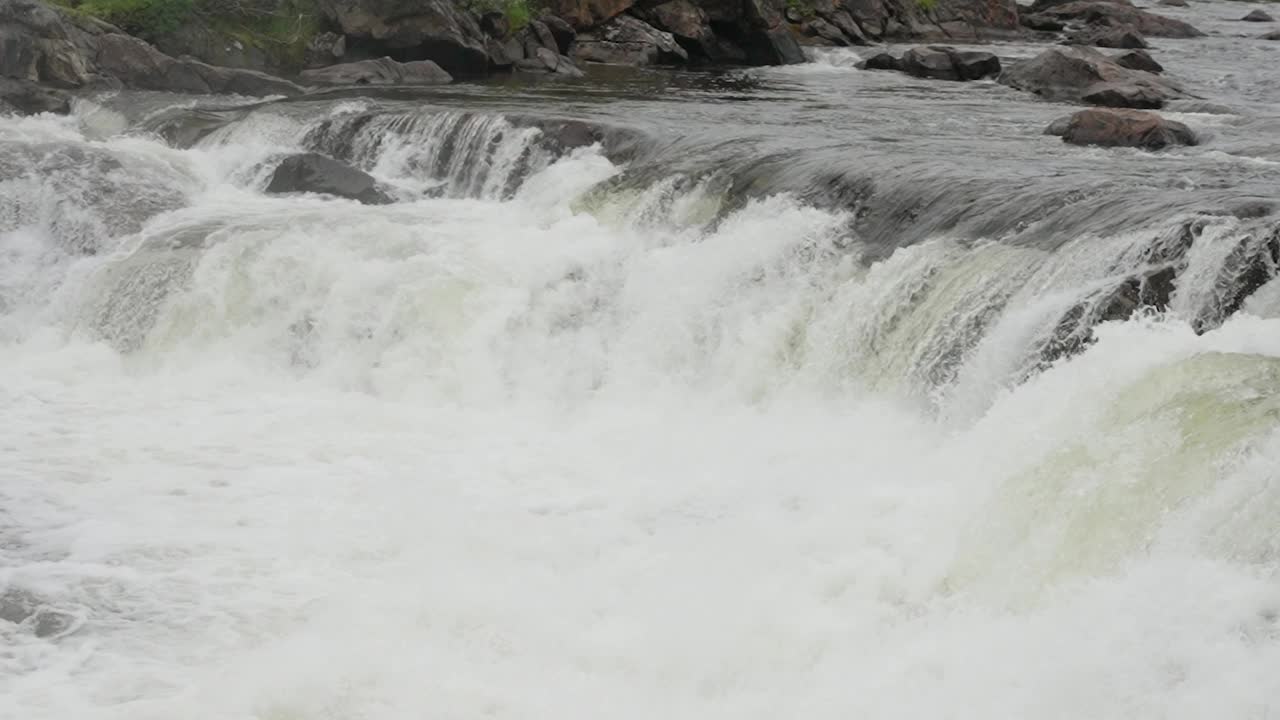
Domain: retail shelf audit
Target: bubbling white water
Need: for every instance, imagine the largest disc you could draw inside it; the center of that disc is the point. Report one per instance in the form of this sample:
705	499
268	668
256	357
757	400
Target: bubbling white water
290	458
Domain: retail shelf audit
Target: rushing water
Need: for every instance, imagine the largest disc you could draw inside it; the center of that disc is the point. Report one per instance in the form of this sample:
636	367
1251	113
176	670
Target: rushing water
801	393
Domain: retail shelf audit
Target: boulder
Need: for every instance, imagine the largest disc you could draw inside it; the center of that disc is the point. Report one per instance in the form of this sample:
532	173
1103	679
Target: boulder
1258	16
765	35
1082	74
562	31
880	61
29	98
1125	128
584	14
627	40
1101	14
1042	23
545	60
946	63
1058	127
438	30
1116	38
314	173
1138	60
325	49
41	45
690	27
383	71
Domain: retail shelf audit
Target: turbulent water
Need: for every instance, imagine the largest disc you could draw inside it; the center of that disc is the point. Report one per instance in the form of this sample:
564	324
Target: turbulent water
798	392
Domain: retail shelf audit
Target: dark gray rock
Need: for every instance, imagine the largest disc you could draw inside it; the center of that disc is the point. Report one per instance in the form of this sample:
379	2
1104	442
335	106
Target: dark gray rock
315	173
438	30
1115	38
1273	35
1174	3
545	60
383	71
946	63
628	40
1082	74
1058	127
1099	14
1042	23
325	49
562	31
1258	16
28	98
1126	128
881	61
1139	60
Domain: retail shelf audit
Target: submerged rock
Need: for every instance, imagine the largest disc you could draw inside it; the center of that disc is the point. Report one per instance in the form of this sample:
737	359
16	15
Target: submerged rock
383	71
1258	16
1174	3
1117	38
28	98
1081	74
315	173
880	61
1125	128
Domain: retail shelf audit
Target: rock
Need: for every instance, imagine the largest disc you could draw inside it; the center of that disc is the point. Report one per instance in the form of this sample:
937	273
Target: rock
38	44
1082	74
1042	23
881	61
1258	16
325	49
689	25
545	60
501	57
1118	38
1174	3
584	14
383	71
767	40
28	98
1058	127
1126	128
495	24
314	173
1101	14
1273	35
947	63
1138	60
438	30
562	31
215	46
628	40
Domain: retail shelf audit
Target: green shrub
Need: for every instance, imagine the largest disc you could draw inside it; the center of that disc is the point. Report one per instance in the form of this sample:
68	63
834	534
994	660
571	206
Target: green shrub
518	12
144	18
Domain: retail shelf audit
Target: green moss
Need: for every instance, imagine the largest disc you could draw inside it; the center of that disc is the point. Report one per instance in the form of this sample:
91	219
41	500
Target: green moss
926	5
801	8
519	13
144	18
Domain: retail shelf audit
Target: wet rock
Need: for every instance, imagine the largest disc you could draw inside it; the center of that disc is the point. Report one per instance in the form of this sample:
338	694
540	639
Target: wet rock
325	49
932	63
502	56
689	25
1174	3
28	98
768	40
1042	23
1273	35
441	31
545	60
1116	38
880	61
1126	128
314	173
1138	60
383	71
1249	209
1082	74
946	63
629	41
584	14
1098	14
562	32
1258	16
1058	127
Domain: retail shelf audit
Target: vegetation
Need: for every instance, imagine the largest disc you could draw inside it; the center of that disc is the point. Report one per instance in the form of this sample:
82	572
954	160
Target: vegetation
926	5
517	12
801	8
280	28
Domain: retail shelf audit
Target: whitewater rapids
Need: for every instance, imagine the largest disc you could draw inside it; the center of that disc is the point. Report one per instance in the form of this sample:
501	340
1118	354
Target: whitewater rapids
546	455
